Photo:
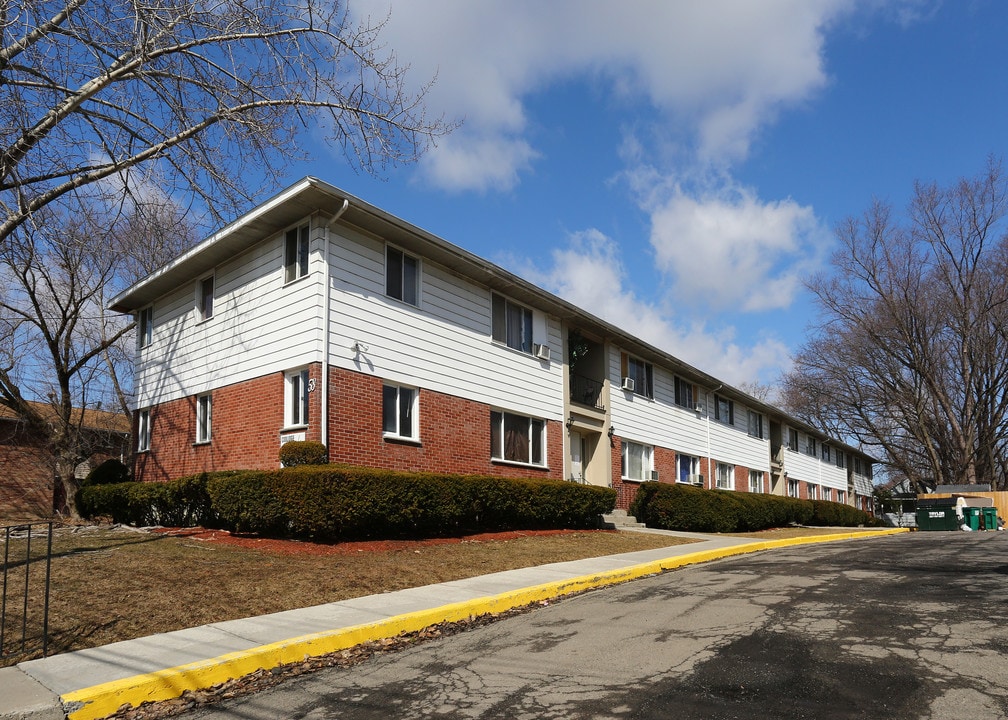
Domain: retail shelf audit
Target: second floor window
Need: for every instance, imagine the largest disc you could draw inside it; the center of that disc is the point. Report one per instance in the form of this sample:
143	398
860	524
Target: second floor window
755	425
295	253
792	441
511	324
684	393
810	446
402	276
640	375
824	452
145	326
839	458
724	410
206	298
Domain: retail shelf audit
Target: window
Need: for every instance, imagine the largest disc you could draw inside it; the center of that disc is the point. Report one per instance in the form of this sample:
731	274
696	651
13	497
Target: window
813	492
512	324
402	276
724	410
793	488
841	496
688	469
203	407
640	373
755	424
637	461
824	452
827	494
755	481
857	465
296	253
725	476
204	301
810	444
145	323
684	394
143	431
792	441
296	398
517	438
399	405
839	459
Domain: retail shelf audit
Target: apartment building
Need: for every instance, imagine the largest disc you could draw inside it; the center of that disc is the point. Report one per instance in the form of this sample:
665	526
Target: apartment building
319	316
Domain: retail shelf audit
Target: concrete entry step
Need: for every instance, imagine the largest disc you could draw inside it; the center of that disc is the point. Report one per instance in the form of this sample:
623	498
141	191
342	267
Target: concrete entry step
620	519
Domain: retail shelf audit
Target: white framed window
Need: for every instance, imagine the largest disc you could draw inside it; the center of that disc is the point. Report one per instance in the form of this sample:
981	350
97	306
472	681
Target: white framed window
205	297
517	438
827	494
685	393
688	469
725	476
143	431
204	407
402	276
792	439
637	461
640	375
511	323
145	326
755	481
724	410
296	388
400	412
793	488
755	424
813	492
841	496
296	242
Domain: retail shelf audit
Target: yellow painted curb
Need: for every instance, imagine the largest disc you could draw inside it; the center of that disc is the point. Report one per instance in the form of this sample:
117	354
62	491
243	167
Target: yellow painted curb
102	700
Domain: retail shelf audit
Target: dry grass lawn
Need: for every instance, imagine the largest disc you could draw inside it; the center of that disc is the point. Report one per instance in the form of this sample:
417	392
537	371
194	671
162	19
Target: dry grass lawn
110	584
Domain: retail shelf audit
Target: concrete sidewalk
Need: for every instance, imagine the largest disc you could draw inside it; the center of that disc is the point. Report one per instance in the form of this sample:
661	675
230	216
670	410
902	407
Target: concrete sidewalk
94	683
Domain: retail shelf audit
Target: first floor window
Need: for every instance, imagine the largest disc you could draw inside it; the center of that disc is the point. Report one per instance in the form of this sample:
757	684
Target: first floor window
203	413
813	492
637	462
511	324
688	468
841	496
295	253
143	430
755	481
399	411
296	392
517	438
792	488
827	494
725	476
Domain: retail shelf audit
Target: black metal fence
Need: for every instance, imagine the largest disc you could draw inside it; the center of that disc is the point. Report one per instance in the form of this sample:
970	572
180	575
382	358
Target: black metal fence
24	607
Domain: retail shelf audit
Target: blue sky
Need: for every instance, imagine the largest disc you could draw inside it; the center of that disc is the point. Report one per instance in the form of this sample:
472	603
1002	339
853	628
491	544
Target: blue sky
677	168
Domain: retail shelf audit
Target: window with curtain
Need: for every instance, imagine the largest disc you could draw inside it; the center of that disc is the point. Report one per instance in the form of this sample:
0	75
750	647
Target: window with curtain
511	324
637	461
517	438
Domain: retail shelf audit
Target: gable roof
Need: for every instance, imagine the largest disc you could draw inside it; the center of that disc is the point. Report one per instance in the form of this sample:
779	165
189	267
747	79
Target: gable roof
92	420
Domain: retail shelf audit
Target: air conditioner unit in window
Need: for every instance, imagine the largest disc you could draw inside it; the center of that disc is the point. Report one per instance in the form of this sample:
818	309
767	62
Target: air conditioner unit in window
654	474
696	479
698	408
628	384
541	351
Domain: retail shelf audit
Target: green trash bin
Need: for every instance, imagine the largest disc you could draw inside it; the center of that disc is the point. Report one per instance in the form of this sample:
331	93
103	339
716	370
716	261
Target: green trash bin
971	517
988	518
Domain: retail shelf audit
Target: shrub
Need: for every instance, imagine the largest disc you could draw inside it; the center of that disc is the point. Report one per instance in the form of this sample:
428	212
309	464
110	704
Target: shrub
178	503
243	501
110	472
303	452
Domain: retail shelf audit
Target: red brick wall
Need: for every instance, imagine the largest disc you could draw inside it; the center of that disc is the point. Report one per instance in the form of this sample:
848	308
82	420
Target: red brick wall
454	433
26	477
248	417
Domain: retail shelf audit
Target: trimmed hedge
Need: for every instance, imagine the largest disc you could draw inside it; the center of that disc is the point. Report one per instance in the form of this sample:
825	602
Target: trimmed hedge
333	503
303	452
684	507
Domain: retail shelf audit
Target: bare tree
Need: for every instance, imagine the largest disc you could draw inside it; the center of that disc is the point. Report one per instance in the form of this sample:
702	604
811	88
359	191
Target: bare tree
106	105
912	356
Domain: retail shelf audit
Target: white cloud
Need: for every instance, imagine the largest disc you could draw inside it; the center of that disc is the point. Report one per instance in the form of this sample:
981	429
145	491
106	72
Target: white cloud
591	261
731	251
713	72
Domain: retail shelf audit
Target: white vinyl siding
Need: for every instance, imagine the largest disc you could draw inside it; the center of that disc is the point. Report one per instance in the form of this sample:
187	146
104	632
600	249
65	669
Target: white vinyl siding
443	347
260	326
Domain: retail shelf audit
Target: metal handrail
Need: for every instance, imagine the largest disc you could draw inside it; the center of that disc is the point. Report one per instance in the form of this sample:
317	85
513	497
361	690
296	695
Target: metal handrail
586	391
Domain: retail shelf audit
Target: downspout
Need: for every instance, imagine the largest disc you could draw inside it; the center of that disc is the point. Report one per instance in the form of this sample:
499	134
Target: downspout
712	477
324	420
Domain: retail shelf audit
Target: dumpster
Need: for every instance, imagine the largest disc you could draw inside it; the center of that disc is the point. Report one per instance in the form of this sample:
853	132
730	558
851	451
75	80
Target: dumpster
938	514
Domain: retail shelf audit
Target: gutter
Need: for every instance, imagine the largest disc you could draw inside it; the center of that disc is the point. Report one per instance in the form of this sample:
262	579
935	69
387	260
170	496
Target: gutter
326	311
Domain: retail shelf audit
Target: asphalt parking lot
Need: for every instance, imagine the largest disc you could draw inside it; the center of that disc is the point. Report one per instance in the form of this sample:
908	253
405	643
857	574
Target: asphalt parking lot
907	626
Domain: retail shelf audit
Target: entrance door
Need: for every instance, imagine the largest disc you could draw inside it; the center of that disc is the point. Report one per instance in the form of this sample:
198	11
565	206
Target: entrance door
576	454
